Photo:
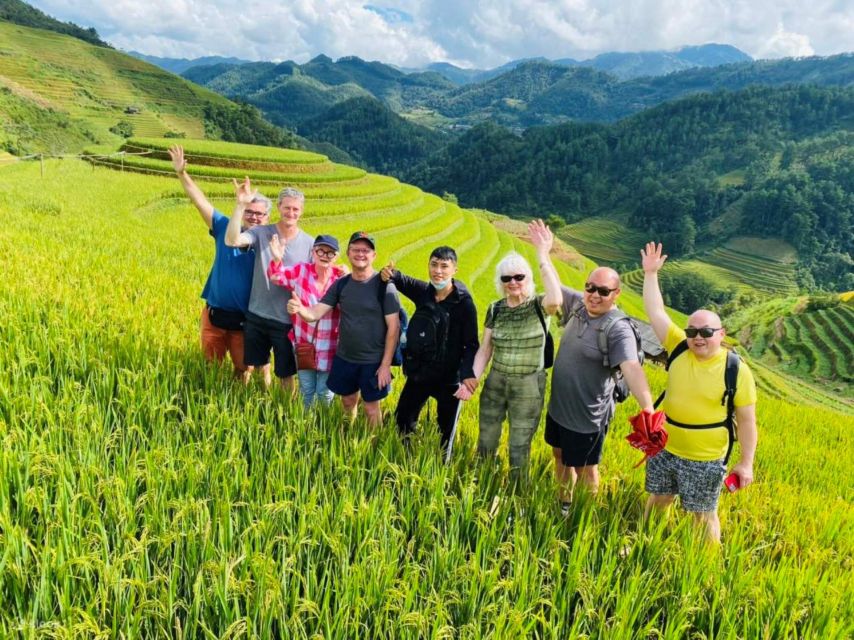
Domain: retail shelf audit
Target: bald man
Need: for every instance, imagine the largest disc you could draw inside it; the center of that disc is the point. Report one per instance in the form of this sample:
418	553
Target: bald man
693	463
582	398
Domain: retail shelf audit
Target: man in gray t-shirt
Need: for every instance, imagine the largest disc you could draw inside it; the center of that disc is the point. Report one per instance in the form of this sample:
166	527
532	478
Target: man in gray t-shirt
368	334
582	404
267	321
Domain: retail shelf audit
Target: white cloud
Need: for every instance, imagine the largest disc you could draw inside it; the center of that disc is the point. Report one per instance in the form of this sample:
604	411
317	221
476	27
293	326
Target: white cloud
786	44
481	33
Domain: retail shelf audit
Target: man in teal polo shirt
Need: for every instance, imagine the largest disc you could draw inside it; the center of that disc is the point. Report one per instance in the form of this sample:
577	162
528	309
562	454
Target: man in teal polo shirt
227	289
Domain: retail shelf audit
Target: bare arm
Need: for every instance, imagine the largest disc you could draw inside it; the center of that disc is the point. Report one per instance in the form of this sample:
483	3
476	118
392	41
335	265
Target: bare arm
392	334
179	162
484	354
636	379
234	237
652	261
309	314
543	240
747	438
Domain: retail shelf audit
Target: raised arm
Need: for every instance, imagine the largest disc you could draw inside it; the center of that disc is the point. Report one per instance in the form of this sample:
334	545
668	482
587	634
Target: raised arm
652	261
234	237
179	162
747	438
543	240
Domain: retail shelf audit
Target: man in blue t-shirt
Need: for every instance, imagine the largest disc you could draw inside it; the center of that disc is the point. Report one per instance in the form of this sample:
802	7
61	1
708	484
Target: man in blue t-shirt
226	292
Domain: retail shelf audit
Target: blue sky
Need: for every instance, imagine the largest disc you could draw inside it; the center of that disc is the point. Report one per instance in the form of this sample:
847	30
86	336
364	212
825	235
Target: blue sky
480	34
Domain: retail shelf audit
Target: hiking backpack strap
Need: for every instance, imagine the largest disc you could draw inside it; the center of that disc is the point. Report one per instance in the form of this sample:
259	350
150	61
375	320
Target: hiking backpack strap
730	387
540	316
678	350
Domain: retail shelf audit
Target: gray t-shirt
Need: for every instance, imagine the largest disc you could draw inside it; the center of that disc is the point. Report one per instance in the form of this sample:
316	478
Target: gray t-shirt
581	385
266	299
361	336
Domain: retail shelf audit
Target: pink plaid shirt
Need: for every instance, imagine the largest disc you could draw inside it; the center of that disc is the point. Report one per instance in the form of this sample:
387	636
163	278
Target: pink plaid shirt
302	278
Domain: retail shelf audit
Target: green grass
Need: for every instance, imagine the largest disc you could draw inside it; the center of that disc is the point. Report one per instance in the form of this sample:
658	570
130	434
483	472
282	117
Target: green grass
144	494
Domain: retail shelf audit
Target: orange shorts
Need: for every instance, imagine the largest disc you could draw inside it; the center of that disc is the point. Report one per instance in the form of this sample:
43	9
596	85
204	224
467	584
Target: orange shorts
217	342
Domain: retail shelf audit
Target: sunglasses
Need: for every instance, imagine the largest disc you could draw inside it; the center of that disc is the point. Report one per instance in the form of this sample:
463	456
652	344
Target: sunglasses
518	277
326	253
602	291
705	332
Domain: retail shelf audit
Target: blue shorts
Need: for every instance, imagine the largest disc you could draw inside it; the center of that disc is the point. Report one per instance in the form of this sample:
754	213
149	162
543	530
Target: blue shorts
346	378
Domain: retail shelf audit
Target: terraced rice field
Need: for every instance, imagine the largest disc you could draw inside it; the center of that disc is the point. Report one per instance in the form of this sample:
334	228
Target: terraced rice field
604	240
145	494
817	345
768	265
96	86
743	264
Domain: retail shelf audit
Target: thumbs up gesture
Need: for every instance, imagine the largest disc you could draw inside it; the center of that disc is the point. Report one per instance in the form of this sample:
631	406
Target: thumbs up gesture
388	271
294	304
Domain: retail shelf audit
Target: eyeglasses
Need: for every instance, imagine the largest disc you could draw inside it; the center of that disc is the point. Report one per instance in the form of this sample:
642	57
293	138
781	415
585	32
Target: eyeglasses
705	332
252	212
359	252
589	287
325	253
518	277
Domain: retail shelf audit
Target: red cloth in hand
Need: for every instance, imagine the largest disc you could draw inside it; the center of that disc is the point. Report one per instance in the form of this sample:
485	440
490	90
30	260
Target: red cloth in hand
648	433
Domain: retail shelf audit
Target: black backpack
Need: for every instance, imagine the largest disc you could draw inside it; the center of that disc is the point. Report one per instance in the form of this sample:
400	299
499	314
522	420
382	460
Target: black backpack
730	387
426	342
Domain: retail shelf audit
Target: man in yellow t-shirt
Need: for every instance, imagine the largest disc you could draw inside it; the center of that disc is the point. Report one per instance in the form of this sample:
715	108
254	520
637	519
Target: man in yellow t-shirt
693	463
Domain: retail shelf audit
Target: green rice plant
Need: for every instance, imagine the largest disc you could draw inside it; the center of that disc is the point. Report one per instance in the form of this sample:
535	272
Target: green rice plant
334	173
198	150
143	493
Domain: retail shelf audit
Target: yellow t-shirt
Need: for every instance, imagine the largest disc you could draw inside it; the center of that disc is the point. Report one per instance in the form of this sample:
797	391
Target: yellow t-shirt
694	392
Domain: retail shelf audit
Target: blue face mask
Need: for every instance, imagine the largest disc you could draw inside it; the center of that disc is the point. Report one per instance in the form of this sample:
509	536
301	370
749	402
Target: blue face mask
441	285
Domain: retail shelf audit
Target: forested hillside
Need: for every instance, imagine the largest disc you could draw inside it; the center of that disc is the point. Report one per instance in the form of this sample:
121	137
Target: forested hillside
763	161
21	13
373	135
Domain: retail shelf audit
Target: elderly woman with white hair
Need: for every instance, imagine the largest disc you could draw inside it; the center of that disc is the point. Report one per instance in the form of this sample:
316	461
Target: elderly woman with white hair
514	339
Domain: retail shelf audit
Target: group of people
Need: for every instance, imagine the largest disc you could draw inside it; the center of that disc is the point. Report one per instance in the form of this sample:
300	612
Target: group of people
337	329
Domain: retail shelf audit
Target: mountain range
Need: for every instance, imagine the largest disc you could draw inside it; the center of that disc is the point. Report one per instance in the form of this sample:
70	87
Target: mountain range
529	94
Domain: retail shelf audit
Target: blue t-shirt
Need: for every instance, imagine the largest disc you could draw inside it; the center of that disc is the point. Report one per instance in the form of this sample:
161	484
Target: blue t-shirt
230	280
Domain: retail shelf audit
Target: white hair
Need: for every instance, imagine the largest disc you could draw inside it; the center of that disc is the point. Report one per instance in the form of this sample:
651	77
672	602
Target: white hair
510	265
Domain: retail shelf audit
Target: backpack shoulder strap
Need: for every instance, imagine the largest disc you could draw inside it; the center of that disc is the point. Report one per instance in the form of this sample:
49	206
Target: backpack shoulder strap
494	307
604	330
341	282
678	350
730	387
539	310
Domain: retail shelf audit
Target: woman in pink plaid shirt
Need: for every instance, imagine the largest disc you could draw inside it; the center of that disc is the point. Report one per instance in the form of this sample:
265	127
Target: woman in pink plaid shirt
309	281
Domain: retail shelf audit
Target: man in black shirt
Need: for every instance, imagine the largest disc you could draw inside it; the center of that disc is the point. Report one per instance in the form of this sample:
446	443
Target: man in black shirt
441	342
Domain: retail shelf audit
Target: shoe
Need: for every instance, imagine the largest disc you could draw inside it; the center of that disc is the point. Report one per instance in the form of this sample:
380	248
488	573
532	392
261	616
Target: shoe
564	508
